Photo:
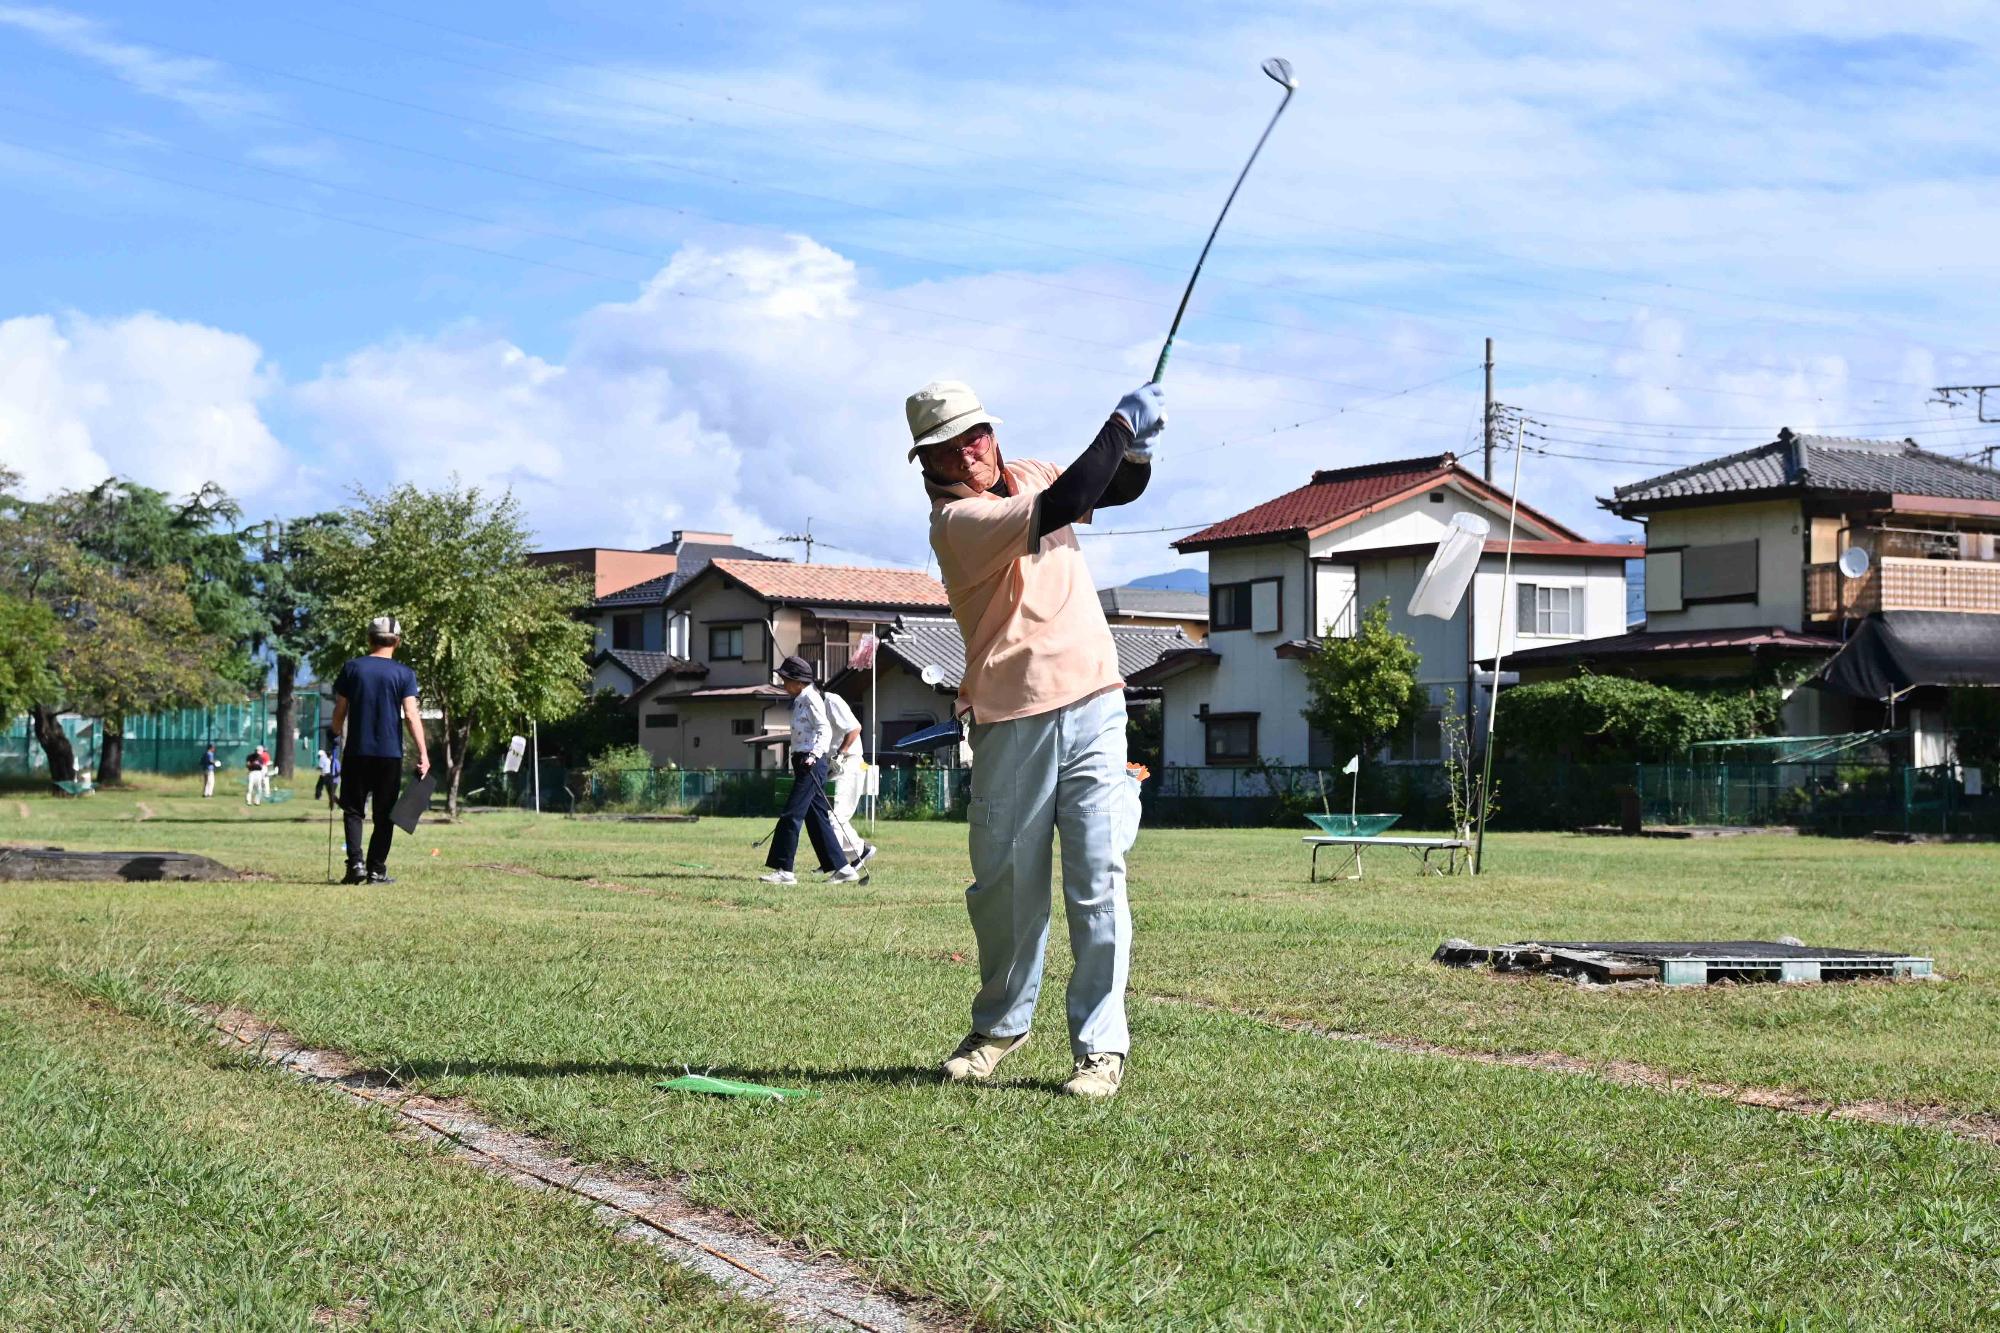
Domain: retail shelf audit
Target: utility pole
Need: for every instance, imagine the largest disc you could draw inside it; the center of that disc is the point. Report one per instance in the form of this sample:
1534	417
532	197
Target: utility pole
806	537
1952	395
1487	428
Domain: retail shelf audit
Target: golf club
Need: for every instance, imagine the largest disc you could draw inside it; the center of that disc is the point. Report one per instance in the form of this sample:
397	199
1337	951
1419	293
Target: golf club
1280	70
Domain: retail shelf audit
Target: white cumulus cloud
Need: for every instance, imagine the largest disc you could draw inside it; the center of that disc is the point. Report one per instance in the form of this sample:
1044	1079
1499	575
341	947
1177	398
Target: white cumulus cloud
167	403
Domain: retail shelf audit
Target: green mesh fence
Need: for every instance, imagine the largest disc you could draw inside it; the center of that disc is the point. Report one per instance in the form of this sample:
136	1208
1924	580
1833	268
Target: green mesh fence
173	742
1822	797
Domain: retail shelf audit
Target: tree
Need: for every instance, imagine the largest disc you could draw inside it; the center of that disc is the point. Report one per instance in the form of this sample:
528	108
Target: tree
126	638
493	640
1364	688
163	544
286	605
28	646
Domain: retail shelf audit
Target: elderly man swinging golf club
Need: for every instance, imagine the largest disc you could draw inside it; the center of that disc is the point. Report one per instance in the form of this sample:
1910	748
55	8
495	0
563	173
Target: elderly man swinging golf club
1047	718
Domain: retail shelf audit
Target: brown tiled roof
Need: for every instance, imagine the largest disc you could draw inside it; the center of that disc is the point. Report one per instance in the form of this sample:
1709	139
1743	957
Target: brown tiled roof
1337	495
837	585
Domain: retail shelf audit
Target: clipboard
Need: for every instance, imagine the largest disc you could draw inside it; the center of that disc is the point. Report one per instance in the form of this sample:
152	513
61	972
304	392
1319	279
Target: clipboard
415	800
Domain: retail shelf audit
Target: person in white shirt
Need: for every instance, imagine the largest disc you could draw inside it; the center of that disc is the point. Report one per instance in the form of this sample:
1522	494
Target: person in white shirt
324	782
812	737
848	781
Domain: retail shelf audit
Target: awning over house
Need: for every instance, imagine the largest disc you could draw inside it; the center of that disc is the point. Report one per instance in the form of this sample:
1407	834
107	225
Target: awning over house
1660	645
1171	664
1894	651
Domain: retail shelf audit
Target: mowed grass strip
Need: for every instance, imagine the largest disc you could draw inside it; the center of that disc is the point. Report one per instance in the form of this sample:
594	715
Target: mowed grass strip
1226	916
1248	1177
149	1181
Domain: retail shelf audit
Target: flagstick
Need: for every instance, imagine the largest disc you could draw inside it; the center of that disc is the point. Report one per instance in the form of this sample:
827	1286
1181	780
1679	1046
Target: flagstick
1499	649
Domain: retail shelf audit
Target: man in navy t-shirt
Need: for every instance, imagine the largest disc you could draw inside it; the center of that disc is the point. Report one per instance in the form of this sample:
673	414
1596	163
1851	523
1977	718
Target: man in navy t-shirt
374	698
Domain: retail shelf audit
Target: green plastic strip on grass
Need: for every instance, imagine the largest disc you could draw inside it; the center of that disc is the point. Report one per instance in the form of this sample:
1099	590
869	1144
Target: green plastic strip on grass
724	1087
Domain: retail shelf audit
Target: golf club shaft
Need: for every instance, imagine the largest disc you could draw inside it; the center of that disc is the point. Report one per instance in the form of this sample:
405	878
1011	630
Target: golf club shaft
1160	367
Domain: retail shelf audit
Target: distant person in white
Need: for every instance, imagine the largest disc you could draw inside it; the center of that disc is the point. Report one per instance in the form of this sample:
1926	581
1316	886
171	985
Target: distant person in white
812	733
848	781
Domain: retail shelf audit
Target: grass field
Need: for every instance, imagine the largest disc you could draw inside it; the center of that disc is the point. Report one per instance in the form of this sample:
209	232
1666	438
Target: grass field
1250	1176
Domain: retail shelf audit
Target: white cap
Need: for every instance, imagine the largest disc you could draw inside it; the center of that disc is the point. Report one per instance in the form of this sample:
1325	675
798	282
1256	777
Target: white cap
941	410
385	627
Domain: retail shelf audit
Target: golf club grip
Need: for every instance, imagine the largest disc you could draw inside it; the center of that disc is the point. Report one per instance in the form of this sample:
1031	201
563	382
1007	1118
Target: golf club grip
1160	366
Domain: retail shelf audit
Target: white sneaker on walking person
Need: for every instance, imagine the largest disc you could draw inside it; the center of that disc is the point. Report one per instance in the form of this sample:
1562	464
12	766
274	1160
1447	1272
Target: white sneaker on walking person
844	875
778	877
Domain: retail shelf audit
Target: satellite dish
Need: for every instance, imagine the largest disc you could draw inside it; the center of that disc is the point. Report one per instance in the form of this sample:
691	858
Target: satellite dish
1854	562
932	674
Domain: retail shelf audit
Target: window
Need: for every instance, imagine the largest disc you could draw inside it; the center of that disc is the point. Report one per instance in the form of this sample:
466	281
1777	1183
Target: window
743	726
1551	610
1663	581
1251	605
1335	600
1437	497
1232	739
1723	573
628	631
725	643
663	719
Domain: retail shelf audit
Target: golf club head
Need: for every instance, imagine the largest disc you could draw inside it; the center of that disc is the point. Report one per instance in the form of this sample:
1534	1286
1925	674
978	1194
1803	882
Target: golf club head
1280	69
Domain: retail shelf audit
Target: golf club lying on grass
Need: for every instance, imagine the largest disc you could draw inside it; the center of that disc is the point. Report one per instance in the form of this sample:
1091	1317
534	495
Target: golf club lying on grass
1280	70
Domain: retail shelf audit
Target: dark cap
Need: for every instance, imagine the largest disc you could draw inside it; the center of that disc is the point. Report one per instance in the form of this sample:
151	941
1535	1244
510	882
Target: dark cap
796	668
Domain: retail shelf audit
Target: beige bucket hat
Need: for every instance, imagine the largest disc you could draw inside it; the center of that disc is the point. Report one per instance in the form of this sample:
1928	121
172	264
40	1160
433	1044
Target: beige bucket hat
941	410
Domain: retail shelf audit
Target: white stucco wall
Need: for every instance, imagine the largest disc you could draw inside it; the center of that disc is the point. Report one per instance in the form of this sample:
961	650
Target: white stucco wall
1251	678
1418	520
1781	552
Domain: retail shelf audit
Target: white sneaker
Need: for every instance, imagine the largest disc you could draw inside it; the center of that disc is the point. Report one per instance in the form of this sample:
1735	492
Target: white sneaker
844	875
778	877
868	851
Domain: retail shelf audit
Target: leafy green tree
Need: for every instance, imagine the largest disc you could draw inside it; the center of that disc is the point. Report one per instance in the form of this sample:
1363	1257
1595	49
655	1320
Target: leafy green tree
600	723
494	641
125	640
163	544
1364	688
28	647
287	606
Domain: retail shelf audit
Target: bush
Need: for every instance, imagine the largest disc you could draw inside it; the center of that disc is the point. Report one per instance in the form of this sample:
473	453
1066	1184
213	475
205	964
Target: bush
620	775
1614	717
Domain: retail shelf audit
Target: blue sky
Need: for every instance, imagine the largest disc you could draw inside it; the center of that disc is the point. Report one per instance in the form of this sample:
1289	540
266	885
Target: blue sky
655	267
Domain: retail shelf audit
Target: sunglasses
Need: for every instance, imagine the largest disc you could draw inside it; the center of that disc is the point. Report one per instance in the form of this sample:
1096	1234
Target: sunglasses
970	445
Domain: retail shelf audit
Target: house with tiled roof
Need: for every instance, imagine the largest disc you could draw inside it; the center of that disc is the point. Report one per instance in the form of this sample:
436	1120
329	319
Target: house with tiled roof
895	686
629	609
1744	572
717	706
1157	608
1288	573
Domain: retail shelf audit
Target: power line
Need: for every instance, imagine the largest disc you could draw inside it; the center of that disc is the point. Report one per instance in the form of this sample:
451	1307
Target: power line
579	271
1094	177
736	182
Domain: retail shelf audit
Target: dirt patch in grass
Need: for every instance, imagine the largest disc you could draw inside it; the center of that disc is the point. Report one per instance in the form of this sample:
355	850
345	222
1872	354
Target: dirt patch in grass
1977	1128
814	1289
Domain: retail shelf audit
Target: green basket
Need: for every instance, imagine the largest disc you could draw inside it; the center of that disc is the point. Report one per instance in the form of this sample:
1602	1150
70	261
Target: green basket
1353	826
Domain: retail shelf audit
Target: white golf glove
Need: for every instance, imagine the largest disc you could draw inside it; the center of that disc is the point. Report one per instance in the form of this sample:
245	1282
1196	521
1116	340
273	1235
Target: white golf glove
1145	411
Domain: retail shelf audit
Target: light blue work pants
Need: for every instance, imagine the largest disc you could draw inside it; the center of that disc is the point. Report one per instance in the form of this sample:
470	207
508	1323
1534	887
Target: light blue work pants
1032	777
